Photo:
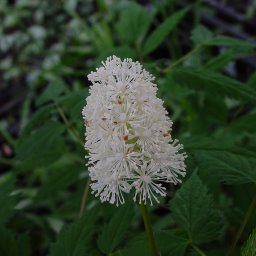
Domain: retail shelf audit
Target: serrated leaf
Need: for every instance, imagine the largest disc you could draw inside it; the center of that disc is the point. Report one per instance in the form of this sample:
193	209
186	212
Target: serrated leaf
114	232
7	201
192	208
215	83
232	167
41	147
171	243
138	245
74	239
165	28
58	179
134	23
201	35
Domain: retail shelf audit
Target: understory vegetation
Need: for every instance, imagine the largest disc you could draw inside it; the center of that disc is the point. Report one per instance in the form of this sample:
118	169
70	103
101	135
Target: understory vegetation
206	76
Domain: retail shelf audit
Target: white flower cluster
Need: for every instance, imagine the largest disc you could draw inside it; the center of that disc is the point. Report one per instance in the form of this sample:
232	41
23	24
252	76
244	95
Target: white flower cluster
128	135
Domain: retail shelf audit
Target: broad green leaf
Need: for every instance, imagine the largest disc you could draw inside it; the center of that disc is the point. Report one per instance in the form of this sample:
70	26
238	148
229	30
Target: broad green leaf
232	167
168	244
38	119
161	32
171	243
201	79
7	202
102	36
134	23
114	232
58	179
201	35
41	147
73	103
75	239
249	249
52	92
138	245
193	209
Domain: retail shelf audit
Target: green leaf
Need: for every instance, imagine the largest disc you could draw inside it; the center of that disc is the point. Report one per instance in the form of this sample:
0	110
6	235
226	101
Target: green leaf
134	23
171	243
229	42
252	81
161	32
38	119
7	201
52	91
114	232
75	239
249	248
138	245
219	62
9	246
41	147
201	35
246	123
232	167
194	211
58	179
168	243
201	79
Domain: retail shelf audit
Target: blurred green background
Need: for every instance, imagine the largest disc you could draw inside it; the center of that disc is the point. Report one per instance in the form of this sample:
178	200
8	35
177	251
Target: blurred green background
203	56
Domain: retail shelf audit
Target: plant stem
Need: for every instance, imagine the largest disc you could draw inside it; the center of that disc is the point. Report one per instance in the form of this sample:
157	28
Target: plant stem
68	125
76	136
168	69
149	231
84	198
243	224
198	250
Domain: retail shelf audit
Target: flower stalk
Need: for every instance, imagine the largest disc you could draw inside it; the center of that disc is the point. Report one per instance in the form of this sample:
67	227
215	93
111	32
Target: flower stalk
149	231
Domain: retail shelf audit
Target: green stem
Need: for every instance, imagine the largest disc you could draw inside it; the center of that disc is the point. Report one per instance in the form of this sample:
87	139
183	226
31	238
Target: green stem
186	56
84	198
243	224
198	250
68	125
149	231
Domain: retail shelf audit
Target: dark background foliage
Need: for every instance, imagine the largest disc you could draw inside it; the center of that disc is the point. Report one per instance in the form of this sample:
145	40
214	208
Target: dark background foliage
203	56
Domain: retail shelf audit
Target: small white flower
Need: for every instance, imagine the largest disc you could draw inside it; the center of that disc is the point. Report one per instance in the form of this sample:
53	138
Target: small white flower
128	135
